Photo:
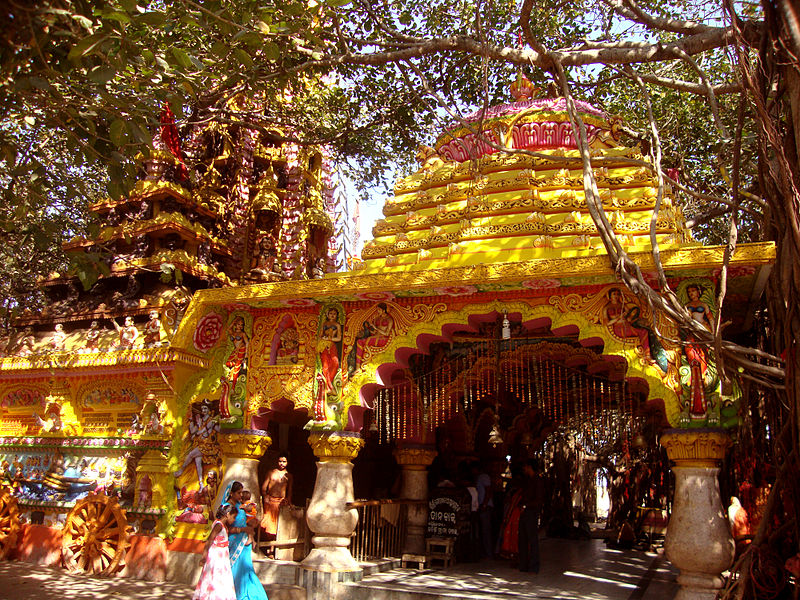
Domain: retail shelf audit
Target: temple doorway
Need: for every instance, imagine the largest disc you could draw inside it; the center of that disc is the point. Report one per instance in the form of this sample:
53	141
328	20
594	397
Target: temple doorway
501	391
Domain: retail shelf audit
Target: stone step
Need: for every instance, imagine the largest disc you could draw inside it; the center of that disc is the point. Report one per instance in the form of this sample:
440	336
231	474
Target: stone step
375	590
285	591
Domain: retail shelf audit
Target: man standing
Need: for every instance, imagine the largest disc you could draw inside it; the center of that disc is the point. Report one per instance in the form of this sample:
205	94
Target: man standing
532	500
276	491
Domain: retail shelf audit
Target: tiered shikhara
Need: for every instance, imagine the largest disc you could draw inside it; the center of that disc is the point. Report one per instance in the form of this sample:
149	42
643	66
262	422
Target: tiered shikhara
93	375
470	204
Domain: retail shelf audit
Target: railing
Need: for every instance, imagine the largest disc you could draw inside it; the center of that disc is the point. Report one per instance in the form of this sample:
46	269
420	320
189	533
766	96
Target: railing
381	528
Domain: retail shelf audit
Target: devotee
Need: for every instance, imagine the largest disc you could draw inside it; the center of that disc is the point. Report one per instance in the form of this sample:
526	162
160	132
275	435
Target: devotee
216	579
276	491
740	525
248	587
532	500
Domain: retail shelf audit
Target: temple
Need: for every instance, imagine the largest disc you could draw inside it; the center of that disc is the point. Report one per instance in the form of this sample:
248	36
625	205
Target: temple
483	321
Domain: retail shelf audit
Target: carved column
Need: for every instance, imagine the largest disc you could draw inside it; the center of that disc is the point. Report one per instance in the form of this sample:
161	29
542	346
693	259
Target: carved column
699	540
241	452
414	463
327	516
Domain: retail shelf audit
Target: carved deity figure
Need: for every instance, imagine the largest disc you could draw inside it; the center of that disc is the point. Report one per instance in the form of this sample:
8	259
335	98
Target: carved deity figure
127	334
318	268
696	354
58	341
92	337
145	497
152	330
52	422
623	319
266	254
203	429
289	347
372	338
329	348
26	343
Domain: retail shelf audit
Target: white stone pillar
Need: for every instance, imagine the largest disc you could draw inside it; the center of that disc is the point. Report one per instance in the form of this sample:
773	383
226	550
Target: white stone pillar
241	452
698	540
328	517
414	463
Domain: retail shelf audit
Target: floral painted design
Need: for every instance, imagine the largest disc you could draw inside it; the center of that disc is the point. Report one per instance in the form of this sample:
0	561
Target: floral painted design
541	284
208	332
298	302
456	290
375	296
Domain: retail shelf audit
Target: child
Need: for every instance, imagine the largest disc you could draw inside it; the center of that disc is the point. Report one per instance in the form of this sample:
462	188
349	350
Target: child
216	580
250	509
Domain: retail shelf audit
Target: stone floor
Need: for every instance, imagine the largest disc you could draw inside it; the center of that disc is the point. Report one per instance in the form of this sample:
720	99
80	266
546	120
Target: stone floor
571	570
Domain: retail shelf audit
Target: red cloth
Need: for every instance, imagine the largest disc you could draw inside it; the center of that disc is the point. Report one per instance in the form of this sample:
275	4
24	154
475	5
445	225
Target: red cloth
169	135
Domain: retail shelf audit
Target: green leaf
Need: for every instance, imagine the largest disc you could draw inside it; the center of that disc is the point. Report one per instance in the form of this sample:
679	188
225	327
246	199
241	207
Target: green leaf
39	83
117	15
85	46
243	57
84	22
249	38
154	19
129	5
102	74
219	49
118	132
140	133
271	51
182	57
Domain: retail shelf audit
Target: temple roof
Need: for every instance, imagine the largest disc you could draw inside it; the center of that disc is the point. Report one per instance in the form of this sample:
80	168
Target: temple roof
470	203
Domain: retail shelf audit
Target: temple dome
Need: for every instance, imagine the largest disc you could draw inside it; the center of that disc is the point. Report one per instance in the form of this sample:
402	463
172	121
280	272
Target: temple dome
471	203
525	124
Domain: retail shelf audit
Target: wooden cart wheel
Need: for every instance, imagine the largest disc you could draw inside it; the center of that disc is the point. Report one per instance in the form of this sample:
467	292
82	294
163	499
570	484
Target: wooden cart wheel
9	522
95	536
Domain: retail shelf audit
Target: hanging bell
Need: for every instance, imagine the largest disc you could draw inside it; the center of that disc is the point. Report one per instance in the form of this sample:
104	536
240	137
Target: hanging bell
495	437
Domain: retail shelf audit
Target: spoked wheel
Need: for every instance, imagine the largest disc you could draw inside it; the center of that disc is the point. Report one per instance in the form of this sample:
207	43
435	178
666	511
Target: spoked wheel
9	522
95	536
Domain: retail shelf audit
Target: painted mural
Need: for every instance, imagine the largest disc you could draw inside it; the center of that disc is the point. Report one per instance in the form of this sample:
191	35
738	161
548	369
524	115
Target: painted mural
702	399
67	476
328	407
226	339
203	451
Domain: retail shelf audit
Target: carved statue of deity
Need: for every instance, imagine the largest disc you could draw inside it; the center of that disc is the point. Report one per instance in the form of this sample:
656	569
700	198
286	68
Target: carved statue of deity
127	334
52	421
59	339
26	343
152	330
92	338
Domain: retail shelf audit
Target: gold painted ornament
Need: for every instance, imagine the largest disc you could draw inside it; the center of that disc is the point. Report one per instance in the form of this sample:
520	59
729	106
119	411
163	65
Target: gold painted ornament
9	522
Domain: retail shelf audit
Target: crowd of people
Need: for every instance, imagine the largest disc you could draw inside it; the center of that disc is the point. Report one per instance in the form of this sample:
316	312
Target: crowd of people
504	519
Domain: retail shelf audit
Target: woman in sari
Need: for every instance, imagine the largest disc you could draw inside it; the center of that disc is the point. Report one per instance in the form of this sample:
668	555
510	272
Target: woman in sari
248	587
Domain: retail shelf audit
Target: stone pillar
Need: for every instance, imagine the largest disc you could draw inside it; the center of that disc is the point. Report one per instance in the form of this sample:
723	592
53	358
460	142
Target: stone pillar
414	463
328	518
698	540
241	451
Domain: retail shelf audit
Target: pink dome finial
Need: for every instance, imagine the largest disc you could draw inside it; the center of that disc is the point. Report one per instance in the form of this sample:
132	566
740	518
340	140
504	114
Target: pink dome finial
522	88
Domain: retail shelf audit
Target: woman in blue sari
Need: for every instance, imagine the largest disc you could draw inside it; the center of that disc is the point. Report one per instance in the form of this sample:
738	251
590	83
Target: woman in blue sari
240	536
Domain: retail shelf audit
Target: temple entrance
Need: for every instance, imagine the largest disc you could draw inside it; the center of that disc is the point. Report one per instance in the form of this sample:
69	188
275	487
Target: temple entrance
501	391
